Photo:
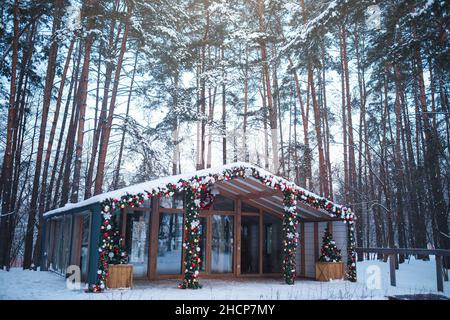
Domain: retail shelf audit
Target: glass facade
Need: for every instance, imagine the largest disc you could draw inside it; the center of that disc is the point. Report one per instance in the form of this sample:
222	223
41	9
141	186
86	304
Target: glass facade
175	202
170	243
221	203
60	243
250	244
202	243
84	254
137	241
68	236
222	244
273	246
245	207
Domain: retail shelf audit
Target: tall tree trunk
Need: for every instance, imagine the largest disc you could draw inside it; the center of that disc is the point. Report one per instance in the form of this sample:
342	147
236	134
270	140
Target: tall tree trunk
175	128
67	160
116	178
344	117
432	150
383	166
244	126
7	167
327	136
201	156
323	185
351	141
224	112
306	177
50	75
113	36
273	121
401	231
107	129
82	98
43	191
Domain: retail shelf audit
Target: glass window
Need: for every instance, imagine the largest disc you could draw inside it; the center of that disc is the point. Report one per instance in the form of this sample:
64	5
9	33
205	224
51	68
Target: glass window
250	244
245	207
170	243
55	243
272	251
48	232
63	243
202	243
175	202
222	243
85	234
137	241
221	203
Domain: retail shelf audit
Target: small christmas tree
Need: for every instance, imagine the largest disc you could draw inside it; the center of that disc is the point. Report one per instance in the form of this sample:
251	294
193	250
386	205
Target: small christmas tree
330	253
117	253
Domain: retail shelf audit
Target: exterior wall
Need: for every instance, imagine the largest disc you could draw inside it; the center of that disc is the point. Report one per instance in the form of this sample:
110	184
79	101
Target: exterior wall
313	233
309	250
67	242
340	236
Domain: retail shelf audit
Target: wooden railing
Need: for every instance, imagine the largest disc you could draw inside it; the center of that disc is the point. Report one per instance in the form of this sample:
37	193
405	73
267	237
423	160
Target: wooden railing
393	256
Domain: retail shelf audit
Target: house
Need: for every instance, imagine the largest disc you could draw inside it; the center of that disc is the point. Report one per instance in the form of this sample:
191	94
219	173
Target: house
237	220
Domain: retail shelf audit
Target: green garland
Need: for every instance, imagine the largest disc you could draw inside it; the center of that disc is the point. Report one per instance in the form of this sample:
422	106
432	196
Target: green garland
290	227
329	250
351	253
110	246
191	241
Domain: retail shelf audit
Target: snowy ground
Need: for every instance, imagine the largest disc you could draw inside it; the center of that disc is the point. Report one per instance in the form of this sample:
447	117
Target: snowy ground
413	277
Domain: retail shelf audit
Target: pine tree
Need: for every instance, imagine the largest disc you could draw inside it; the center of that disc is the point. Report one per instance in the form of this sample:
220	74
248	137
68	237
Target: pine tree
330	253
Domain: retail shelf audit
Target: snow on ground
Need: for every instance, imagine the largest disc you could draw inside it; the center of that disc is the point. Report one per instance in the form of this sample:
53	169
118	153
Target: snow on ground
413	277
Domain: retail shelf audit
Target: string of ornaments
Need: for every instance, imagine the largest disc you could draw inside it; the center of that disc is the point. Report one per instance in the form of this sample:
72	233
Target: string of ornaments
329	251
198	198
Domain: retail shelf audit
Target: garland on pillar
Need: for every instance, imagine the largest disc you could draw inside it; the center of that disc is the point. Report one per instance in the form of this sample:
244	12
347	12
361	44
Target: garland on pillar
197	198
110	248
351	252
290	229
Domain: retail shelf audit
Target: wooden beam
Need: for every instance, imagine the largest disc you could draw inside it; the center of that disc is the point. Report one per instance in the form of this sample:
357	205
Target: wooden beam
266	207
439	280
261	241
237	233
258	194
235	189
316	241
228	194
154	231
302	250
208	253
392	268
252	185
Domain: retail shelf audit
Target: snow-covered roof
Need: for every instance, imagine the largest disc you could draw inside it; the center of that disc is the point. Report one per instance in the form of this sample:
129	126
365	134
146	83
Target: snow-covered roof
161	184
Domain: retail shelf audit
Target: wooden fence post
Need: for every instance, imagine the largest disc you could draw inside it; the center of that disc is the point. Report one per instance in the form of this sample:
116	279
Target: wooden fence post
392	268
440	283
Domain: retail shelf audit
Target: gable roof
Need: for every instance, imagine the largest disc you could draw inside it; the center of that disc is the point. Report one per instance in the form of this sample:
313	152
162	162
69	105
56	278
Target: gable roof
263	191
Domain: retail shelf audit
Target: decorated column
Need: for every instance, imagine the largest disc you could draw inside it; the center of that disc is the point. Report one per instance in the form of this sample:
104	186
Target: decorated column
191	246
351	252
290	224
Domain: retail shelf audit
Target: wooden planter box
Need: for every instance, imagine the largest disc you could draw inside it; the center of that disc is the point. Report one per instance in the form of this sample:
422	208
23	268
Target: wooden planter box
326	271
120	276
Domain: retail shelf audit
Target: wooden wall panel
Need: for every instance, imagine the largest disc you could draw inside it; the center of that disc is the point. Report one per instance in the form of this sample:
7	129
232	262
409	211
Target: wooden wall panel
340	236
309	250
